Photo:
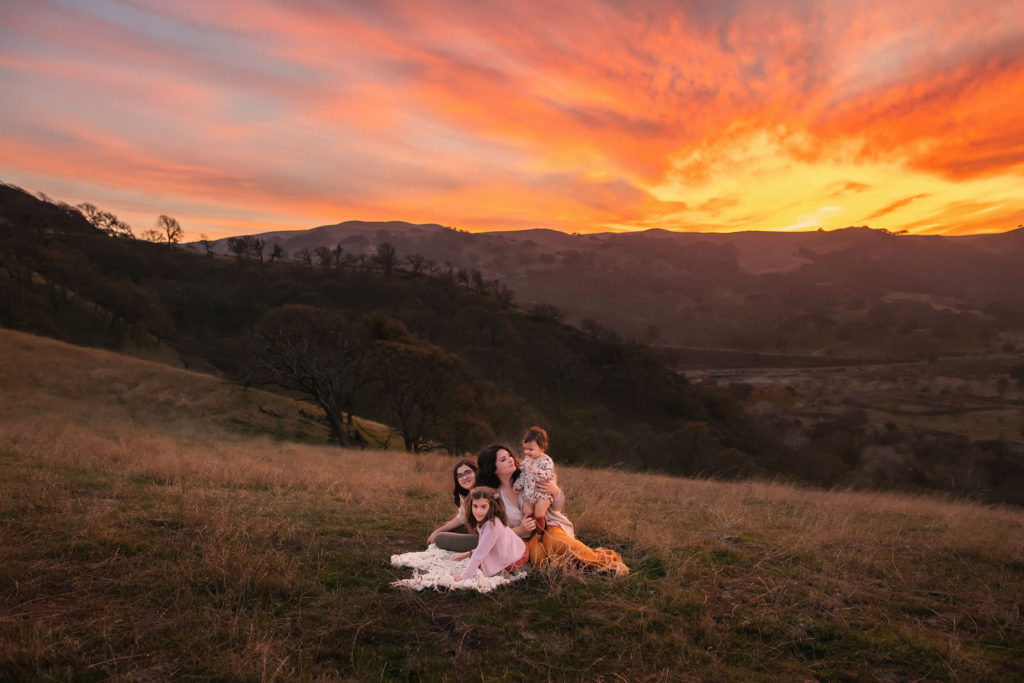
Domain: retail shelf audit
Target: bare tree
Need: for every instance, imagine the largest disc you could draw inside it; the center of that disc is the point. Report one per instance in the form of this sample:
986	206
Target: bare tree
503	294
240	248
546	312
599	332
247	248
105	221
386	258
170	228
414	383
91	213
314	352
478	281
417	263
207	244
324	256
278	253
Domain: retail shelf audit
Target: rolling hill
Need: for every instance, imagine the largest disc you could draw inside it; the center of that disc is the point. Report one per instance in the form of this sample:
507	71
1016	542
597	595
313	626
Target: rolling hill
851	293
479	367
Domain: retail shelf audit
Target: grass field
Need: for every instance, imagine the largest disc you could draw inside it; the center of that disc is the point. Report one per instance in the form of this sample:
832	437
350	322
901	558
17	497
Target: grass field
156	523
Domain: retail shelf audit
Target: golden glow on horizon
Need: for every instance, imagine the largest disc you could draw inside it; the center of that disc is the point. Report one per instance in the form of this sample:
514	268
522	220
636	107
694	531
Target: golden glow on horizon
798	195
243	117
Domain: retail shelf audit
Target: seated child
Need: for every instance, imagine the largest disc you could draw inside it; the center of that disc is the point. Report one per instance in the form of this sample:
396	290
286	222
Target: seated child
498	546
537	468
464	478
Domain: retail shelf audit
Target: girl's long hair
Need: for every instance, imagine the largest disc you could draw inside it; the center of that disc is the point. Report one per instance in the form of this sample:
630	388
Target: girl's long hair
496	509
459	491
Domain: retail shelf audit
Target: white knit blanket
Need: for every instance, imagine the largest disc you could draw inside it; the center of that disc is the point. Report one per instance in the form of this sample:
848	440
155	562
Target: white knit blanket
434	568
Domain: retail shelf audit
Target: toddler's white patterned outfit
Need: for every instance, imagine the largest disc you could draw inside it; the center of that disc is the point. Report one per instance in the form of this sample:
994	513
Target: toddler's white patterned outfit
532	472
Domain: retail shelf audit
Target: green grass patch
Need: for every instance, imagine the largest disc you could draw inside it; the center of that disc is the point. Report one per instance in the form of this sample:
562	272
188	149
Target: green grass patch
725	558
145	575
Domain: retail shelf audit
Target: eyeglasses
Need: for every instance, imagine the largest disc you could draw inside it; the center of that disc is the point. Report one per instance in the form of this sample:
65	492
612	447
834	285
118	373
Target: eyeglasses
463	475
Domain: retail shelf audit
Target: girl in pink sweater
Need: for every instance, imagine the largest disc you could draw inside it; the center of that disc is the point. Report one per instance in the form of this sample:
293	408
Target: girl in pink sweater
498	546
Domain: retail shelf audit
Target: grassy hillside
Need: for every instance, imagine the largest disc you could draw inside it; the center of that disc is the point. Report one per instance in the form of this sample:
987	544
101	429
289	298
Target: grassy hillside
612	402
156	523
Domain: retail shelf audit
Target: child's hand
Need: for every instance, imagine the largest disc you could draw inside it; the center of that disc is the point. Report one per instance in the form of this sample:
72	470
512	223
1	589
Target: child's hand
457	577
457	557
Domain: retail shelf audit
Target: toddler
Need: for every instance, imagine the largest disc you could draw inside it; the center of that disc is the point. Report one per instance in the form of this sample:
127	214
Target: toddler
536	469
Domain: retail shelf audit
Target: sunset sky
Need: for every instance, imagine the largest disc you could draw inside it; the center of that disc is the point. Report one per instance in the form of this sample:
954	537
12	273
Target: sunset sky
708	115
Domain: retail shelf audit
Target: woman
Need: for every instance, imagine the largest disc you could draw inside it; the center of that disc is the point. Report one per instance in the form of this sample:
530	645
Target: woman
499	470
453	534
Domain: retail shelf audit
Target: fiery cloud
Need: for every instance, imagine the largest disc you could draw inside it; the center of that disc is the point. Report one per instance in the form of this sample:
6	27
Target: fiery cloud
582	116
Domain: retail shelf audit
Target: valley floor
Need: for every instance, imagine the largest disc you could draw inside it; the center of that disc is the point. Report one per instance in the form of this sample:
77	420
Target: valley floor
968	395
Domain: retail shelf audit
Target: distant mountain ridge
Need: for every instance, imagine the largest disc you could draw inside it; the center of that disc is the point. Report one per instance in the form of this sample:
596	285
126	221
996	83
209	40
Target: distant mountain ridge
358	235
756	251
849	292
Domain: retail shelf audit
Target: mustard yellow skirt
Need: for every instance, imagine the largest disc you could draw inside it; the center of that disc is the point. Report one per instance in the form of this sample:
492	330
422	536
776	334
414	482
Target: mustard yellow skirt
558	548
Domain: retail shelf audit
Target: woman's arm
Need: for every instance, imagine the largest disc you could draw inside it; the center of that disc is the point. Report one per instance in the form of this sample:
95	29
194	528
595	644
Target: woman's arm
551	488
526	528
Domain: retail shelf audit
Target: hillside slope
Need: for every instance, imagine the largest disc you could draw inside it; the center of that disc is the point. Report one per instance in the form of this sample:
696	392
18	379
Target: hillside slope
610	402
146	538
854	292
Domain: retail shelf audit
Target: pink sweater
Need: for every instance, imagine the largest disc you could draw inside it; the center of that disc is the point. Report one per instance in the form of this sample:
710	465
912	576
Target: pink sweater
497	548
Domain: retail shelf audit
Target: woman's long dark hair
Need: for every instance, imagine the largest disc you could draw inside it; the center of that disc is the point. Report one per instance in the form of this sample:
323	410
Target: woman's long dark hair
459	491
487	461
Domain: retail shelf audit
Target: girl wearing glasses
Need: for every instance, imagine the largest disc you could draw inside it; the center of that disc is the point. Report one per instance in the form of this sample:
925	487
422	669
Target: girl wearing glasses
453	534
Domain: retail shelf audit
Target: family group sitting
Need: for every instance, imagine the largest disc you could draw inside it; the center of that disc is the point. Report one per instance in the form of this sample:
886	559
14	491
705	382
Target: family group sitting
510	514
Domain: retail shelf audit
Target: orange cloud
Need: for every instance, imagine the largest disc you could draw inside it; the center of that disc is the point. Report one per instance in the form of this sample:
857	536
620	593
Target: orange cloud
577	115
899	204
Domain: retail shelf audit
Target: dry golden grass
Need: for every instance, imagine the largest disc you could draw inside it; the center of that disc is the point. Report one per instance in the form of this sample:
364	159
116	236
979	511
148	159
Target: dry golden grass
153	527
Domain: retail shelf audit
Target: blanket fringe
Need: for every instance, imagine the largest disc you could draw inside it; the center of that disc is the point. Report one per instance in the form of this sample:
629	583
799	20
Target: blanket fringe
433	568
